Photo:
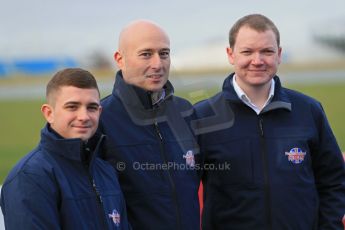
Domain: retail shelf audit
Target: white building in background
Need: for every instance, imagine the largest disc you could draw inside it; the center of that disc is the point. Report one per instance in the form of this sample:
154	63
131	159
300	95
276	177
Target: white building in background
204	56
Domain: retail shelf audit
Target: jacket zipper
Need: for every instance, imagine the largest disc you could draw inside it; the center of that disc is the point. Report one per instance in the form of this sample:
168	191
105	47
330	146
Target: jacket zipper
100	205
173	187
266	176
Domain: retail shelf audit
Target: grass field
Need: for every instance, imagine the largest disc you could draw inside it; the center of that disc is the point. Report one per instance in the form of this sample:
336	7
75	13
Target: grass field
21	121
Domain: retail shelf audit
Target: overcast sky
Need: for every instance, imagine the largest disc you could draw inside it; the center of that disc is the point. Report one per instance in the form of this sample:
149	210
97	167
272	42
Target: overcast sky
37	28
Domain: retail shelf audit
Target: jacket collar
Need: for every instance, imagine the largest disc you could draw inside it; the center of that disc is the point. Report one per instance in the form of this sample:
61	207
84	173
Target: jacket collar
135	96
73	149
279	100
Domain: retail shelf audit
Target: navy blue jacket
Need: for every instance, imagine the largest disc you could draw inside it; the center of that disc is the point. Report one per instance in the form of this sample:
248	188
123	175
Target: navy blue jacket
61	185
150	146
286	170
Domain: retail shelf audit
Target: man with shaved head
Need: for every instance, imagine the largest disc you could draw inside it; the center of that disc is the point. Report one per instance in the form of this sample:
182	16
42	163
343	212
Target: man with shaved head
152	145
144	56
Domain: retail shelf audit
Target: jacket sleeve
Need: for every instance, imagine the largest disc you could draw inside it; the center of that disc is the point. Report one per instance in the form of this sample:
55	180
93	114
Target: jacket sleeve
29	201
329	172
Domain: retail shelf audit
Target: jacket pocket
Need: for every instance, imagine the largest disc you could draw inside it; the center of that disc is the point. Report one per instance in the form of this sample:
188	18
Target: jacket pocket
292	155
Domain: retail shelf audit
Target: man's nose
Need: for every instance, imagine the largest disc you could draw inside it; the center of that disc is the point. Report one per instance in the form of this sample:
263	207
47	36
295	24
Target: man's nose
83	114
156	61
257	59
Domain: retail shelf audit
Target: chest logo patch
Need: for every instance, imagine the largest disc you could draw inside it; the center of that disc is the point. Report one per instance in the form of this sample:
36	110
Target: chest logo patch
115	216
189	156
296	155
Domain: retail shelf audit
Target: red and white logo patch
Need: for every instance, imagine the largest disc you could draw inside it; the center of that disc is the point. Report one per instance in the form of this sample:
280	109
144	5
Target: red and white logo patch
296	155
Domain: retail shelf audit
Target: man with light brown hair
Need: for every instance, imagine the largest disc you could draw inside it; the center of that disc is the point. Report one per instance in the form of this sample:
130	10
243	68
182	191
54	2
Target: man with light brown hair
287	171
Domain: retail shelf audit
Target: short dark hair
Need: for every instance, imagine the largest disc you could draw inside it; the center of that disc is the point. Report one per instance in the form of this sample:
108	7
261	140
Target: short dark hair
257	22
76	77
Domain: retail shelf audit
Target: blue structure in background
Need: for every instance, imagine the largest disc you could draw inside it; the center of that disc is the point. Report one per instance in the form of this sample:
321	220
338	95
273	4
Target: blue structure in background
3	70
35	66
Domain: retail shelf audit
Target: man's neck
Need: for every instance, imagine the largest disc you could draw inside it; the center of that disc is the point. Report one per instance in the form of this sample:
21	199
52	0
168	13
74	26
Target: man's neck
157	96
258	95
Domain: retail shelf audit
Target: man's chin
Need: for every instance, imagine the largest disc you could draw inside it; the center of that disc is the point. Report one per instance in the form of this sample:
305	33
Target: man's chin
156	87
84	137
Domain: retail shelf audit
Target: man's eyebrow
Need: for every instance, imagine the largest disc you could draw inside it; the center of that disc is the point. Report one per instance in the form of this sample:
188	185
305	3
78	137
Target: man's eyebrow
72	103
94	104
79	103
165	49
145	50
151	50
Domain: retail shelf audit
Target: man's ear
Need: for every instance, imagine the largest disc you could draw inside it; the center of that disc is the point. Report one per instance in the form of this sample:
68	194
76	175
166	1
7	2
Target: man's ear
47	112
119	59
230	54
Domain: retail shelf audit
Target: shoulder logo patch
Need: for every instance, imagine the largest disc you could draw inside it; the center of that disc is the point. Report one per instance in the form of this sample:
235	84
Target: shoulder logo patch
189	156
115	216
